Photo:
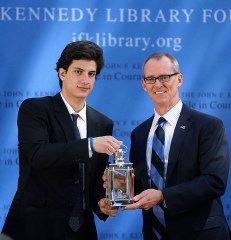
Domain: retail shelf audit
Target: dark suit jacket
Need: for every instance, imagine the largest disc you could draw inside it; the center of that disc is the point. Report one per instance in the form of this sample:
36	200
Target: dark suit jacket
48	159
197	173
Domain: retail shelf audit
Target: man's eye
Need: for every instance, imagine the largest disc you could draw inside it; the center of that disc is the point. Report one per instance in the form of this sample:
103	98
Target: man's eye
92	74
164	77
78	72
150	79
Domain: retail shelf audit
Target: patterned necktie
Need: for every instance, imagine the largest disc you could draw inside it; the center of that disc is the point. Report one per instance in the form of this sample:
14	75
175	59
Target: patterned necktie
157	176
76	219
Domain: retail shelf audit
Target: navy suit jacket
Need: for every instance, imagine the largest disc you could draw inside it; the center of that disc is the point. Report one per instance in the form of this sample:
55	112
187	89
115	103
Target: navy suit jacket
197	173
49	156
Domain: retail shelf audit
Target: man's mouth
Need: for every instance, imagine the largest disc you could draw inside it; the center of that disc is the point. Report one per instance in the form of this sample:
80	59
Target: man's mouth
159	92
82	87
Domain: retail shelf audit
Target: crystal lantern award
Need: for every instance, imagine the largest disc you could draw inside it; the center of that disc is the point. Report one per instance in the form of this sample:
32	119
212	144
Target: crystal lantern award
120	183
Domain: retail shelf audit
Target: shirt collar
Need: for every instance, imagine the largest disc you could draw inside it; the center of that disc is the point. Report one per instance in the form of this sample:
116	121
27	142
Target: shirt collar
171	116
81	113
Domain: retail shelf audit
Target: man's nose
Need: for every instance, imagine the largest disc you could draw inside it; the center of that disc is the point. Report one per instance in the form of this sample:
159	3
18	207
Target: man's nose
85	78
158	83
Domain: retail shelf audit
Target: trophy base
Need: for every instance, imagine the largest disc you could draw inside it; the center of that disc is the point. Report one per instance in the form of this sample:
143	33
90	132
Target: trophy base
121	203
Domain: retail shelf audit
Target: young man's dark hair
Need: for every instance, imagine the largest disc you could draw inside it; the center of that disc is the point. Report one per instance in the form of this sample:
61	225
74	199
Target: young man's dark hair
85	50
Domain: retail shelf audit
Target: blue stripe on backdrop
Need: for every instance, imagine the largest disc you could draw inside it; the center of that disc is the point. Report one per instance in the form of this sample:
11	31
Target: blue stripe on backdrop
33	34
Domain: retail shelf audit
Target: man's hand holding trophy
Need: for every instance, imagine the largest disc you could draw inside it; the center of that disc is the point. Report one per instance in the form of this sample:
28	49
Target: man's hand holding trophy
119	180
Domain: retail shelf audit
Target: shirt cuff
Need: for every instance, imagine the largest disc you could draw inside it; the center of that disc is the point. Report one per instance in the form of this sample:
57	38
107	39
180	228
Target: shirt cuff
164	204
89	148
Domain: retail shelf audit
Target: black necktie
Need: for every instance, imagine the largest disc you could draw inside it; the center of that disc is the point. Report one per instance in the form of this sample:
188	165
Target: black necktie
157	175
76	219
74	121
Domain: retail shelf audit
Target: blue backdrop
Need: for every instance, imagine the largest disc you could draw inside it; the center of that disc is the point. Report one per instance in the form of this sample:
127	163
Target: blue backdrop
33	34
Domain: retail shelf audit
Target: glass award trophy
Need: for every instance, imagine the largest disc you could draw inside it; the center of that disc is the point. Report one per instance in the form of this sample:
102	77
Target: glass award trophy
120	183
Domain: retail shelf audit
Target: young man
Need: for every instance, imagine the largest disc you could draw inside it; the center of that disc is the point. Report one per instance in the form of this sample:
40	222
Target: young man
181	163
62	159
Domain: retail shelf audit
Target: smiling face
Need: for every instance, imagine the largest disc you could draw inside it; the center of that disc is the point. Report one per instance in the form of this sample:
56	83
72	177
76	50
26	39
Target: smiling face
77	82
164	95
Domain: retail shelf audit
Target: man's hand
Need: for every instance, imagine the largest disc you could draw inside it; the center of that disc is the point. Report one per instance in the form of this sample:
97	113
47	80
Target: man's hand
119	180
106	208
146	200
106	144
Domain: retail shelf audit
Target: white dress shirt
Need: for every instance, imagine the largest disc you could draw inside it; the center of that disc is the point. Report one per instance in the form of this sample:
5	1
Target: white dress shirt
171	117
81	121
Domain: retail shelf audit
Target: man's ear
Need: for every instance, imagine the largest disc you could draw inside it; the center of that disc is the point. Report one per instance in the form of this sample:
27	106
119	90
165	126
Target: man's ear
144	85
180	80
62	73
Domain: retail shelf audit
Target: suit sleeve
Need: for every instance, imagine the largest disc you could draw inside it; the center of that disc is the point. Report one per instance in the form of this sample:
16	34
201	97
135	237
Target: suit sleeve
42	141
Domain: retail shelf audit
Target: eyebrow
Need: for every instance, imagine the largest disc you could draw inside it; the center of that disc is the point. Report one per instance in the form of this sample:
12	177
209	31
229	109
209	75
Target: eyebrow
165	74
78	68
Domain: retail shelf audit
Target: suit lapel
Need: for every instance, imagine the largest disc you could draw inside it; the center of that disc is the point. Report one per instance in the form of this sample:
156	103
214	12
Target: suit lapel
63	117
180	132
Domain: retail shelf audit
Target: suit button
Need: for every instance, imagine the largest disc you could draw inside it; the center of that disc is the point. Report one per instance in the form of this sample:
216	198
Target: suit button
77	161
76	181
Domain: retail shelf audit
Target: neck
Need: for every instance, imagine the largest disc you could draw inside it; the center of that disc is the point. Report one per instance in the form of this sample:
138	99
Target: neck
76	103
162	109
77	107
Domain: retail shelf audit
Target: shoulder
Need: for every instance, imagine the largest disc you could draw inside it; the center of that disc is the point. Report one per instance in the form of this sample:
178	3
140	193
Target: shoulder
39	105
201	116
98	115
144	125
37	101
45	102
201	119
